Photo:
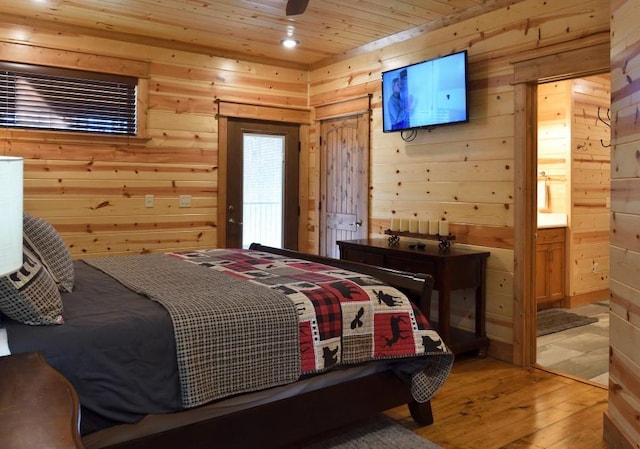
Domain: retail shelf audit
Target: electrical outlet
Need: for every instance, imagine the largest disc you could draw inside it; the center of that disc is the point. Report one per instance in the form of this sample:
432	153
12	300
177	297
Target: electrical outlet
185	200
148	201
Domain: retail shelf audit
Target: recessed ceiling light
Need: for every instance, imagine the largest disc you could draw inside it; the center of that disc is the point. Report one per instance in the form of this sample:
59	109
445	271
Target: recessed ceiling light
289	42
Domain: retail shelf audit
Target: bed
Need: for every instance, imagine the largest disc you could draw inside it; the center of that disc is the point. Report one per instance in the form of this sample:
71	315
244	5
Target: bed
140	380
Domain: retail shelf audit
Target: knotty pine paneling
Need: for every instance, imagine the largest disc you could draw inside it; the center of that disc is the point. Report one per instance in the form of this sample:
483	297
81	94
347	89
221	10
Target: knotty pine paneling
588	255
464	173
93	189
622	428
554	141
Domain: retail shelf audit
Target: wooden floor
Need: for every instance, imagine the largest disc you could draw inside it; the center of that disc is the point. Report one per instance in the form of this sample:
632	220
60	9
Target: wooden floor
488	404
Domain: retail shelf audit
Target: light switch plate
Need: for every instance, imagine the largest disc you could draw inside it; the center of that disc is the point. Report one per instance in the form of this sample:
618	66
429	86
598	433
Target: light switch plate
185	200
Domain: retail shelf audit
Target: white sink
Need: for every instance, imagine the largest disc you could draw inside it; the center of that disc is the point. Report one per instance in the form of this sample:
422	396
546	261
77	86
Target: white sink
551	220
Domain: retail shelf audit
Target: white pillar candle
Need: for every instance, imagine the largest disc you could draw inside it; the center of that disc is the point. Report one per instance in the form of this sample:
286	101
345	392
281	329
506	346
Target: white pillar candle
395	224
423	226
433	227
443	227
404	225
413	225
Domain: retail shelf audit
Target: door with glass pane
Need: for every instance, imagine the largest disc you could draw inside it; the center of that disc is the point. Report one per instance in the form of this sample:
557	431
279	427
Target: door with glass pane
262	184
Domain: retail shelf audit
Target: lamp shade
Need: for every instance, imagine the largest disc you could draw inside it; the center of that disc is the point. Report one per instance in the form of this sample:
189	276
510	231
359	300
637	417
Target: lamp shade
10	214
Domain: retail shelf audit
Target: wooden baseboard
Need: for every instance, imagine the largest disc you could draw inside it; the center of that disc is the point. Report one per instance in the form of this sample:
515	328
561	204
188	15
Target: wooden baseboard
612	435
584	299
501	351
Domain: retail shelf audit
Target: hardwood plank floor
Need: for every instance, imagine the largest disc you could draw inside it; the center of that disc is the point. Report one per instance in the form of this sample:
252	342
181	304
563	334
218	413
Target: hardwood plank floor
488	404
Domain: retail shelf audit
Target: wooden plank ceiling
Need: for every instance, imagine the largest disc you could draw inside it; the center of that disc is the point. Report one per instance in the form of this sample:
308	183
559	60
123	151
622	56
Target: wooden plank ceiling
328	30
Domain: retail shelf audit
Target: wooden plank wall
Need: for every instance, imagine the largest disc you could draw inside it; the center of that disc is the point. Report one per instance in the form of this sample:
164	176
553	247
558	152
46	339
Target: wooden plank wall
554	144
622	427
463	173
588	236
93	190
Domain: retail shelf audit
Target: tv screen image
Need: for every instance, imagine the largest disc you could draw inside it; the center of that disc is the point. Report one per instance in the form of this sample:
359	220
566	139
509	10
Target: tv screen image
426	94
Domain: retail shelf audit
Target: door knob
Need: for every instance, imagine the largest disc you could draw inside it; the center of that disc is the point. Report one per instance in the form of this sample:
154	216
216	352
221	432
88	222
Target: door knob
357	224
232	221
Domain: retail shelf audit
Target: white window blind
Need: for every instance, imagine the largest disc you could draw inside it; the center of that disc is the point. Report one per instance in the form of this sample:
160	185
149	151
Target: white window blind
263	189
49	98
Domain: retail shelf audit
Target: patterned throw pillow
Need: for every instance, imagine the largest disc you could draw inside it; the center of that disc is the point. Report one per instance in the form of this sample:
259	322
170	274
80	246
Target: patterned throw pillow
30	295
42	239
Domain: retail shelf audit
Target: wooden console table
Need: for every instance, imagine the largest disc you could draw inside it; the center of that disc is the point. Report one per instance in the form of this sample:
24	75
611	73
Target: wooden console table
452	269
38	406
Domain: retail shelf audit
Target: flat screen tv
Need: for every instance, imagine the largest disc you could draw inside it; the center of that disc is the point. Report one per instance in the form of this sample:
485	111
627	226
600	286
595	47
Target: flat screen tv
426	94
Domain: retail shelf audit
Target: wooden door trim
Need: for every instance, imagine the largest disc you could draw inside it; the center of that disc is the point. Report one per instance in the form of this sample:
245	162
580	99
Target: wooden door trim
301	117
581	60
362	119
223	123
524	326
344	108
262	112
574	63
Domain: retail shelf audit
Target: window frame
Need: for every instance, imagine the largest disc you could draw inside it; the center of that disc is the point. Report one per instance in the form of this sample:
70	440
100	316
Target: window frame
65	59
76	96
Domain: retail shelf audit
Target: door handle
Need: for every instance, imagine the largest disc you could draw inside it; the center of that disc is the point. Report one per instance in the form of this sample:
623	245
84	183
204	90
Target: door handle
357	224
232	221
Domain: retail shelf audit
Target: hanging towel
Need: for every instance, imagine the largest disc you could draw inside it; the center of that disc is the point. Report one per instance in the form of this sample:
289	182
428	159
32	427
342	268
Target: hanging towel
542	195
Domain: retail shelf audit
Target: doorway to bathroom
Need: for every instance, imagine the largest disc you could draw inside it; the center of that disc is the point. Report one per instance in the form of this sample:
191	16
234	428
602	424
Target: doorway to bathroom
573	226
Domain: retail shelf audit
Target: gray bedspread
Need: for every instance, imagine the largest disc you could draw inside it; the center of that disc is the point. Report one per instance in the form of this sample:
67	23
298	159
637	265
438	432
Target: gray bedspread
116	347
232	336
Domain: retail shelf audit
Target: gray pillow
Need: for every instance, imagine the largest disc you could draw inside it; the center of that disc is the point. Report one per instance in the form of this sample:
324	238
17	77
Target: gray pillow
29	295
43	240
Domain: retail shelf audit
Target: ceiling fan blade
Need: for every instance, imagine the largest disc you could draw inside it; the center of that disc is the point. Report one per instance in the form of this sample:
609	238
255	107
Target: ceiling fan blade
295	7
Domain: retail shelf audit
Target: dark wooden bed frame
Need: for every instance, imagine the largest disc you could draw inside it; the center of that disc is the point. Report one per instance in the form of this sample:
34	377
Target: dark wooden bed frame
291	422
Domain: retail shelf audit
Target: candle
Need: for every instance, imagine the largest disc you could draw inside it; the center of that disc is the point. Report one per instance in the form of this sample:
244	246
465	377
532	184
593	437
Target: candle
413	225
404	225
423	226
395	224
443	228
433	227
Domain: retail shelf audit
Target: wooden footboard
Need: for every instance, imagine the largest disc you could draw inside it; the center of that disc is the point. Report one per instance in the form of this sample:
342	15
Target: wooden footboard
285	423
417	287
294	421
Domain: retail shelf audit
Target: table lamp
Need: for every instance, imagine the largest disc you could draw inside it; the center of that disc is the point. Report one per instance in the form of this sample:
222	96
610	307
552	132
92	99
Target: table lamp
11	184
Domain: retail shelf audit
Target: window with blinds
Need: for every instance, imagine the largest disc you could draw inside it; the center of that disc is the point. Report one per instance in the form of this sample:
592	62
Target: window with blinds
48	98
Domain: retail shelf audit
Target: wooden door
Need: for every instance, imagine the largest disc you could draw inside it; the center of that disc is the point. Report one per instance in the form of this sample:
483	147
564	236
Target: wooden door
555	289
286	220
542	262
344	208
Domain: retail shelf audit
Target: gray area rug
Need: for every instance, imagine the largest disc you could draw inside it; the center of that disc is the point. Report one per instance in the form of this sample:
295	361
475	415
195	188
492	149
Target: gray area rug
556	320
382	434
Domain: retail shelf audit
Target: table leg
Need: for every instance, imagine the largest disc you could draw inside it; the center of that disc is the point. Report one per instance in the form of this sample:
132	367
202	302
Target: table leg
444	313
